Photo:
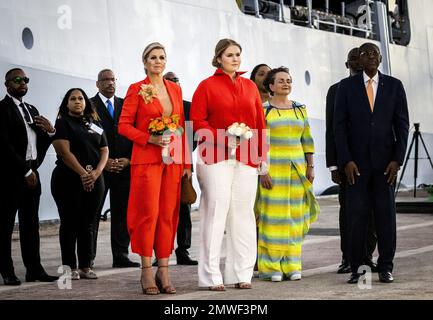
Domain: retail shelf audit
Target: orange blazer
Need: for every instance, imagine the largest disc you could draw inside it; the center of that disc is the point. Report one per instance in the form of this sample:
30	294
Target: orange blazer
136	116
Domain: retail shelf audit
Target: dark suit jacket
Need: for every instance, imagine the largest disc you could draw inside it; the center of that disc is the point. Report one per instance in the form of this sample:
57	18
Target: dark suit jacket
186	108
13	140
371	139
118	145
331	150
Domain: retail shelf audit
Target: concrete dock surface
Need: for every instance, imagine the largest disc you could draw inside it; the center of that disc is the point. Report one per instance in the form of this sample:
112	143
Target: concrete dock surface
413	271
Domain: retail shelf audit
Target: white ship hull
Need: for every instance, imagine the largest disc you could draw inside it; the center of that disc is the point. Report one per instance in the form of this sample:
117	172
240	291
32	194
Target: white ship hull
73	40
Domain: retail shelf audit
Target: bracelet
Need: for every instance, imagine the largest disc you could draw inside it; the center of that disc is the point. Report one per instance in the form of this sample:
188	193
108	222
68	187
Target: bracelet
310	165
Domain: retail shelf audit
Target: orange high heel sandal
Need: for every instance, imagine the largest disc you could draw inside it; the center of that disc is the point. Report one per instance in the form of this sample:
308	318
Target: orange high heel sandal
168	289
149	290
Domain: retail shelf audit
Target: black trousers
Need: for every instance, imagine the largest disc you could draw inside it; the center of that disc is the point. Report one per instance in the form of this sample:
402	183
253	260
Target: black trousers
118	185
16	196
371	238
77	210
184	230
371	193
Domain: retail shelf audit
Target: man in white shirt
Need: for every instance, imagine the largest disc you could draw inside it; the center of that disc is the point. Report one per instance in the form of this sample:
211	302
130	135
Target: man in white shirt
24	139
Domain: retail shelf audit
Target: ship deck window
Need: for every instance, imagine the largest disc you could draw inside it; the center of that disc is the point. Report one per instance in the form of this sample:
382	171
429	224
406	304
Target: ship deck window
349	17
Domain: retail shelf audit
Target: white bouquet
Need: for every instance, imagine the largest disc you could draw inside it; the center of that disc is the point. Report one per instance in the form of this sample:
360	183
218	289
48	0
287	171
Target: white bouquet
238	130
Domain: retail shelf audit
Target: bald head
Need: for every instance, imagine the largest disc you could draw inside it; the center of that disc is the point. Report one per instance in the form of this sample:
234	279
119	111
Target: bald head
352	62
171	76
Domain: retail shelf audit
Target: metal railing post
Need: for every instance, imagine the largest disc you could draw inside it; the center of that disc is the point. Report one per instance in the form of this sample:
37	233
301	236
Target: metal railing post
256	8
282	11
369	24
384	38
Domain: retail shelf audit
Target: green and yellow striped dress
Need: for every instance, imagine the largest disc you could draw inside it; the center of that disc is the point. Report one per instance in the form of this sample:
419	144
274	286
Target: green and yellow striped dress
288	209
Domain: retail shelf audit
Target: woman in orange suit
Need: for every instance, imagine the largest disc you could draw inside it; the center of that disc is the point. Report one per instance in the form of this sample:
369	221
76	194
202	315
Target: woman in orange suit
155	186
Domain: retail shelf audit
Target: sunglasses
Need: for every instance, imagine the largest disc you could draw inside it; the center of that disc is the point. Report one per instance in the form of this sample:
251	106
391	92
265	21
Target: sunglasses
175	80
18	80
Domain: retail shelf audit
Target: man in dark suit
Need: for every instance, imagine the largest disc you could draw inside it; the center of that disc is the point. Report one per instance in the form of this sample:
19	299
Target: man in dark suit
116	173
337	174
24	139
184	227
371	125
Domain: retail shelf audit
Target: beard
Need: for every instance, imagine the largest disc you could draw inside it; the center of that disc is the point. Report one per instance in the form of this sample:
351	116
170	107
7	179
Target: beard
18	93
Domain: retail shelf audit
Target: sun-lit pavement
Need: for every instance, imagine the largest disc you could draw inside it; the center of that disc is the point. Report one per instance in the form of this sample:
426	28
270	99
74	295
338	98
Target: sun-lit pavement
413	270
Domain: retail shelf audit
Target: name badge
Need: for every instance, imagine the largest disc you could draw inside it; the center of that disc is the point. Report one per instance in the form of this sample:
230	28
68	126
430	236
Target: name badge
97	129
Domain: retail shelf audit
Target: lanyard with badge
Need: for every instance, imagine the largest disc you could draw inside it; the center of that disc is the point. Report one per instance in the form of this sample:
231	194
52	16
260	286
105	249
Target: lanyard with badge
93	128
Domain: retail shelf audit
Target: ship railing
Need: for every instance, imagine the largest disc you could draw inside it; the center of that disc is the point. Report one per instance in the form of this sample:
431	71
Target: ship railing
307	16
317	22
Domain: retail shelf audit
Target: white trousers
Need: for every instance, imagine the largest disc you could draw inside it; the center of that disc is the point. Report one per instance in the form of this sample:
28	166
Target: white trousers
228	192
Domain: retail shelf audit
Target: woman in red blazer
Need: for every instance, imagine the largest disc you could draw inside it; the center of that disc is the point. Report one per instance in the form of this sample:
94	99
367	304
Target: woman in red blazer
228	186
155	185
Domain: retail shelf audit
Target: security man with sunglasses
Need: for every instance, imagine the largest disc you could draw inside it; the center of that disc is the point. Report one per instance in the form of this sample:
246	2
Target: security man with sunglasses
24	139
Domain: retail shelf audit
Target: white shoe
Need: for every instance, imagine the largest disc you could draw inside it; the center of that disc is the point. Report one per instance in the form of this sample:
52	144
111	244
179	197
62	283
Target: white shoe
75	275
295	276
277	278
88	275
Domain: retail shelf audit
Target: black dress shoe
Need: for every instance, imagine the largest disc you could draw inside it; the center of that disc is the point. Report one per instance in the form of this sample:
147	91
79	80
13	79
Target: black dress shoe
11	280
386	277
186	260
344	267
42	277
372	265
126	264
354	277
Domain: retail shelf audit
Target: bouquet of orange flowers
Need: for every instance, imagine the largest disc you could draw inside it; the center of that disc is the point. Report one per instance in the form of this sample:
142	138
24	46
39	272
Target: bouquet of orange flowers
166	127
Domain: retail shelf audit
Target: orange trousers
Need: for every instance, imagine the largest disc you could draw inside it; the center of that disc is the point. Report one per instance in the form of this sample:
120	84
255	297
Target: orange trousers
153	208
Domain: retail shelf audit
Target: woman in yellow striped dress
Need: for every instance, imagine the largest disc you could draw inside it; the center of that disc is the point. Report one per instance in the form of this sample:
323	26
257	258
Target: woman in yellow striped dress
287	204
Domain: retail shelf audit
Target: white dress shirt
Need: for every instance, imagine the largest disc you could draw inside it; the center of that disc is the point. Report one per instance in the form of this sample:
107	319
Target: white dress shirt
104	100
32	151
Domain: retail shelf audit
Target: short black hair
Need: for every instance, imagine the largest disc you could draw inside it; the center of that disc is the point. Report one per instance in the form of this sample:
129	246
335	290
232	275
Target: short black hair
353	51
368	44
256	69
100	73
270	78
7	75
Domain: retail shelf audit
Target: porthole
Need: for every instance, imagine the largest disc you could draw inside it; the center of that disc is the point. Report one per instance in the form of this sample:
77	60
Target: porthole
27	38
307	77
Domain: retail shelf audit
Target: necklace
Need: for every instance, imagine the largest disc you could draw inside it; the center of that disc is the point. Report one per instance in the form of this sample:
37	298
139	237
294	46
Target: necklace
284	107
